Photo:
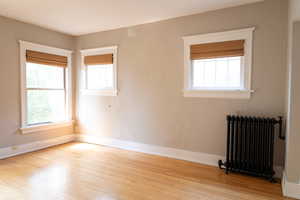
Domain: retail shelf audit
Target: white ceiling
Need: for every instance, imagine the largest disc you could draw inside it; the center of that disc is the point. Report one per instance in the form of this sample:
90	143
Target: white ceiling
77	17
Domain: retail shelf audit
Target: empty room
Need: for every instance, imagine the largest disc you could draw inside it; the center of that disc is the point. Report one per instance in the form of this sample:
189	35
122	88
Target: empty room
149	100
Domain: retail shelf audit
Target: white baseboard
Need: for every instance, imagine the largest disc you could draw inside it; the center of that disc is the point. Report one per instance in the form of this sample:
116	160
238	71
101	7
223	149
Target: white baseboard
34	146
198	157
204	158
278	171
290	189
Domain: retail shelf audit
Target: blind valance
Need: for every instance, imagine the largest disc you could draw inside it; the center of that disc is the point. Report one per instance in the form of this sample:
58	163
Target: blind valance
46	59
103	59
217	50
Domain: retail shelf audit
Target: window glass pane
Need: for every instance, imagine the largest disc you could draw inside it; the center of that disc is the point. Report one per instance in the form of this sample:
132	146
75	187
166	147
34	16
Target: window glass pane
99	76
198	73
234	72
45	106
219	73
209	73
43	76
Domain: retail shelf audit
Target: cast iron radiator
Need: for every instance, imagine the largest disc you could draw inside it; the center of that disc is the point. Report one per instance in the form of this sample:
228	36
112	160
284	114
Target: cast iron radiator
250	145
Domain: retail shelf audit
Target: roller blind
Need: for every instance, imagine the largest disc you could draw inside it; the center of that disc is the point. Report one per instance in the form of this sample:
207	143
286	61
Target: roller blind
46	59
217	50
98	59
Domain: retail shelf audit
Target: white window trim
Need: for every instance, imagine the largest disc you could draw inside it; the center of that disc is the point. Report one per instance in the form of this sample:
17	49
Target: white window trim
241	34
99	51
42	127
25	128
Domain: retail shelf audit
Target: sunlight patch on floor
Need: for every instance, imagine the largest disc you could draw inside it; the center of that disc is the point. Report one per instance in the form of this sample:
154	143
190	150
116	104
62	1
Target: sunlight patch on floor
83	146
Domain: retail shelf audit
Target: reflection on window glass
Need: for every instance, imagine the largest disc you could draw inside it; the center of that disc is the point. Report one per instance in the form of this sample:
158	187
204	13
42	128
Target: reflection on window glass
45	106
100	76
45	93
44	76
223	73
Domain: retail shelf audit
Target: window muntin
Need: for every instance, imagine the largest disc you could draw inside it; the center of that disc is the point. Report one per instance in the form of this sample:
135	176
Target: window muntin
45	93
99	77
217	73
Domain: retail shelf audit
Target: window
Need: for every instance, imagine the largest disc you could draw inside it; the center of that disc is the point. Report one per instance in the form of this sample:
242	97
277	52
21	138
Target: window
45	87
218	65
99	70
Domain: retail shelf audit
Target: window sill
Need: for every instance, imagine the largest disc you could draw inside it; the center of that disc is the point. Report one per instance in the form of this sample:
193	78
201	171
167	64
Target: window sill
225	94
44	127
100	92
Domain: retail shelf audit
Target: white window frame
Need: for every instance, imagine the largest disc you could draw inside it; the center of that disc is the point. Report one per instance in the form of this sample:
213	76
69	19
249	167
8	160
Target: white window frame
246	64
25	128
99	51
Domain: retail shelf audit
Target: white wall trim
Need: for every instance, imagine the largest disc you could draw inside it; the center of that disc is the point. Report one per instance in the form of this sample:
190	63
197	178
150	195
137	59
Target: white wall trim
44	127
198	157
290	189
95	51
225	94
246	67
218	36
34	146
278	171
45	48
204	158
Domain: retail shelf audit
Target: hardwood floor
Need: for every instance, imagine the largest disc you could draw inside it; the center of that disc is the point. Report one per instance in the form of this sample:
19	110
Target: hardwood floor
79	171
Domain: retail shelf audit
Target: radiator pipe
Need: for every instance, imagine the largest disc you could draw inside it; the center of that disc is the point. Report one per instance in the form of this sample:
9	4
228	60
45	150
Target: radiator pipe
281	136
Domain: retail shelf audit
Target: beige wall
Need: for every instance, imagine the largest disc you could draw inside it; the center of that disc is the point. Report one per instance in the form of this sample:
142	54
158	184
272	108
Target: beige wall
11	32
150	107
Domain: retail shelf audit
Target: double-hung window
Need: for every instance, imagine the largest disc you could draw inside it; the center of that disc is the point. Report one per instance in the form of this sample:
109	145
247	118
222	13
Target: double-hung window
99	67
218	65
45	79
